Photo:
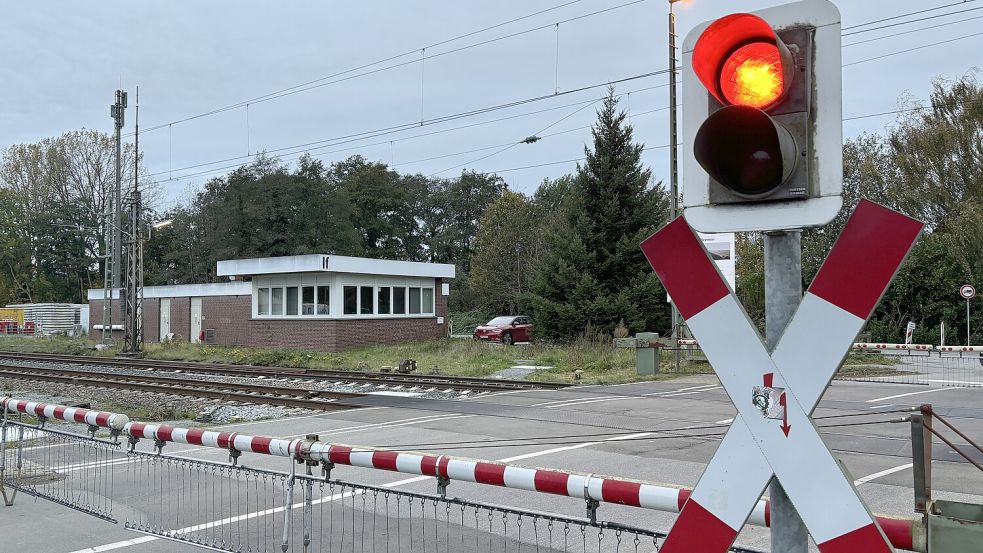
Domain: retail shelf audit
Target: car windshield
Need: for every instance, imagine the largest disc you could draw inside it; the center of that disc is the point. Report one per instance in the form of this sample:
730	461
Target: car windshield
501	321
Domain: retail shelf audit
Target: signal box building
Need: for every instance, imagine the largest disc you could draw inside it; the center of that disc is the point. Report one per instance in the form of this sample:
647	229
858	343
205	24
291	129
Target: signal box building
318	302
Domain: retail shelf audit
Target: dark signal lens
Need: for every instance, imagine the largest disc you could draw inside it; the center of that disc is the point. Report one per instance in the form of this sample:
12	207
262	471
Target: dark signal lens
753	76
743	148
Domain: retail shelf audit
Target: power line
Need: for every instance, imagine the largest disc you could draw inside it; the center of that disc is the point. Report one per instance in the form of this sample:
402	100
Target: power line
420	135
913	31
907	14
320	82
398	128
442	119
920	19
906	50
514	144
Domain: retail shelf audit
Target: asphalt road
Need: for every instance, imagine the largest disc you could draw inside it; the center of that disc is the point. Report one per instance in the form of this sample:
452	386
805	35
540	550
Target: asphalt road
586	429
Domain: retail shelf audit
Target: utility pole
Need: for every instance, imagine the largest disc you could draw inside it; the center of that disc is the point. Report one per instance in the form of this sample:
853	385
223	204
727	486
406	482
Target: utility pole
783	293
115	220
133	283
673	161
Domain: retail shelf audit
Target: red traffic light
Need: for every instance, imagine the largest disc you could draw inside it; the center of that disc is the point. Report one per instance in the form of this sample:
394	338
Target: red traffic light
741	61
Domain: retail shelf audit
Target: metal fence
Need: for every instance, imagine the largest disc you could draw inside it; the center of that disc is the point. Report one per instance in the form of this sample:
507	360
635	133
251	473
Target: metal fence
233	508
871	362
914	366
248	509
69	469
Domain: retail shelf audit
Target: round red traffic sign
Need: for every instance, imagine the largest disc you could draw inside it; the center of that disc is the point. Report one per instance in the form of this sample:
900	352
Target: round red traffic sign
967	291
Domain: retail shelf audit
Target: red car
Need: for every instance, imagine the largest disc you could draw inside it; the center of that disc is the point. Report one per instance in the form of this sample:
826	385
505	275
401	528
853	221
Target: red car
507	330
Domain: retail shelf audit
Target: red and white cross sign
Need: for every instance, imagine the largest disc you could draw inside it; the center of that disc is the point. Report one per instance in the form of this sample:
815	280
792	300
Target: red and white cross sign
775	394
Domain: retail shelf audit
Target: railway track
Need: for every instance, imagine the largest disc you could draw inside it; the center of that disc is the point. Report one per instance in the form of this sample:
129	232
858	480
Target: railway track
389	379
272	394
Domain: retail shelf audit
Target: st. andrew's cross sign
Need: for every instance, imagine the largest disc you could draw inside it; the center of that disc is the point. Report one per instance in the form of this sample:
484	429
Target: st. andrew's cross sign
775	394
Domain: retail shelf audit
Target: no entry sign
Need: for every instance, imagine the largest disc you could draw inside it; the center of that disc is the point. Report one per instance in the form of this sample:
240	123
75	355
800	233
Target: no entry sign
967	291
775	394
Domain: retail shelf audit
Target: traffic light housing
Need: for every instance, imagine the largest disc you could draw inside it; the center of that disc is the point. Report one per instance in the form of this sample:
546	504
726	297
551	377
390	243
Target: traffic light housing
762	119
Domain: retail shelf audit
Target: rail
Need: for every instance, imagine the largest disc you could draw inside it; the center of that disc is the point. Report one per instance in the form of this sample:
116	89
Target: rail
270	394
439	381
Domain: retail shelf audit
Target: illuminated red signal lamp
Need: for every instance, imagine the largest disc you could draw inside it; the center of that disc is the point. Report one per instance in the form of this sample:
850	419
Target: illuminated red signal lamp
741	60
749	70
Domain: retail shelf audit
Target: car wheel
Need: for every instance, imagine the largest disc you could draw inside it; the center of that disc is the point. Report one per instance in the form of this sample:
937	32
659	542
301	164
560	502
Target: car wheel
507	339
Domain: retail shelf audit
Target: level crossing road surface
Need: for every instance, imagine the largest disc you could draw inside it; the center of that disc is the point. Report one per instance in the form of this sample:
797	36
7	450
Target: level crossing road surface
613	430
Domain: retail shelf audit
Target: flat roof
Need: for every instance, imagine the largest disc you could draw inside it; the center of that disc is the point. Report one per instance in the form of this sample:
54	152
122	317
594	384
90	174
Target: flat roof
234	288
320	263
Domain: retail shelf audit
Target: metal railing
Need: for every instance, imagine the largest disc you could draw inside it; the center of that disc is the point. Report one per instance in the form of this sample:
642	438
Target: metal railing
231	507
217	495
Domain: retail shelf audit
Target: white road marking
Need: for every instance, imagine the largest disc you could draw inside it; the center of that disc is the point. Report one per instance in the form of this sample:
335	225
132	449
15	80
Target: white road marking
725	421
694	392
586	401
885	472
668	392
491	394
885	406
914	394
968	382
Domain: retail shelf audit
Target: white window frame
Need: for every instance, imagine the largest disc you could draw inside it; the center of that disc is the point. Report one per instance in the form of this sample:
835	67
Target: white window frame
336	284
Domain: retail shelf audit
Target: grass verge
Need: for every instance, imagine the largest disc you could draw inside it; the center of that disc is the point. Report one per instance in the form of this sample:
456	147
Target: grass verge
598	362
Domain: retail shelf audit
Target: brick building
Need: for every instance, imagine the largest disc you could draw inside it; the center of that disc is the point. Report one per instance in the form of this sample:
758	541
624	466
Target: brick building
320	302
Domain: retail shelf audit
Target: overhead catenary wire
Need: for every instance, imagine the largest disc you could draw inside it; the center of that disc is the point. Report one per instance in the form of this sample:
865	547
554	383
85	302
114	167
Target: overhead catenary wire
908	32
918	20
918	12
514	144
303	149
398	128
345	75
442	119
906	50
320	82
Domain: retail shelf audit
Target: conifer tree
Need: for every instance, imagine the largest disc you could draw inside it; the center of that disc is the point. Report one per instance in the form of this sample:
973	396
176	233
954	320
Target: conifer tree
594	273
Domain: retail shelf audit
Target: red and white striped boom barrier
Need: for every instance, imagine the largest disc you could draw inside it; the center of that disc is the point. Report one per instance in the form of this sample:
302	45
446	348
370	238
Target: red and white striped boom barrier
903	533
887	346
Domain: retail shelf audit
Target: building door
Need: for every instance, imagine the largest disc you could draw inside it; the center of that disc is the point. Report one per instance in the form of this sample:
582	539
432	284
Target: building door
165	318
196	320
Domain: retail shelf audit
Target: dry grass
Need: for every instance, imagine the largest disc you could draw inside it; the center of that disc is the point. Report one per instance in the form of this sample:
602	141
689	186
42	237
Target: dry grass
599	362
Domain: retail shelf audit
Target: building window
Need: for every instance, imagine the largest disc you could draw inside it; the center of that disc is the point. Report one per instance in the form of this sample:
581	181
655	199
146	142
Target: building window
323	301
263	302
384	296
399	300
307	301
276	301
428	300
365	300
414	301
292	300
351	300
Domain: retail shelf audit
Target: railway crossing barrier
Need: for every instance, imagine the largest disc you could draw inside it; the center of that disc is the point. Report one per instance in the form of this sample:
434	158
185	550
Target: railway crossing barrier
233	507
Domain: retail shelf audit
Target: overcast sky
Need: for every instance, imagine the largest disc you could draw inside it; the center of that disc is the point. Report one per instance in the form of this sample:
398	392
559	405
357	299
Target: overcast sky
63	60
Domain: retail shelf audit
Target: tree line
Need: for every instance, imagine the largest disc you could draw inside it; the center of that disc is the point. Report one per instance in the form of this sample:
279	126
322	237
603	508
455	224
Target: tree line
566	254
